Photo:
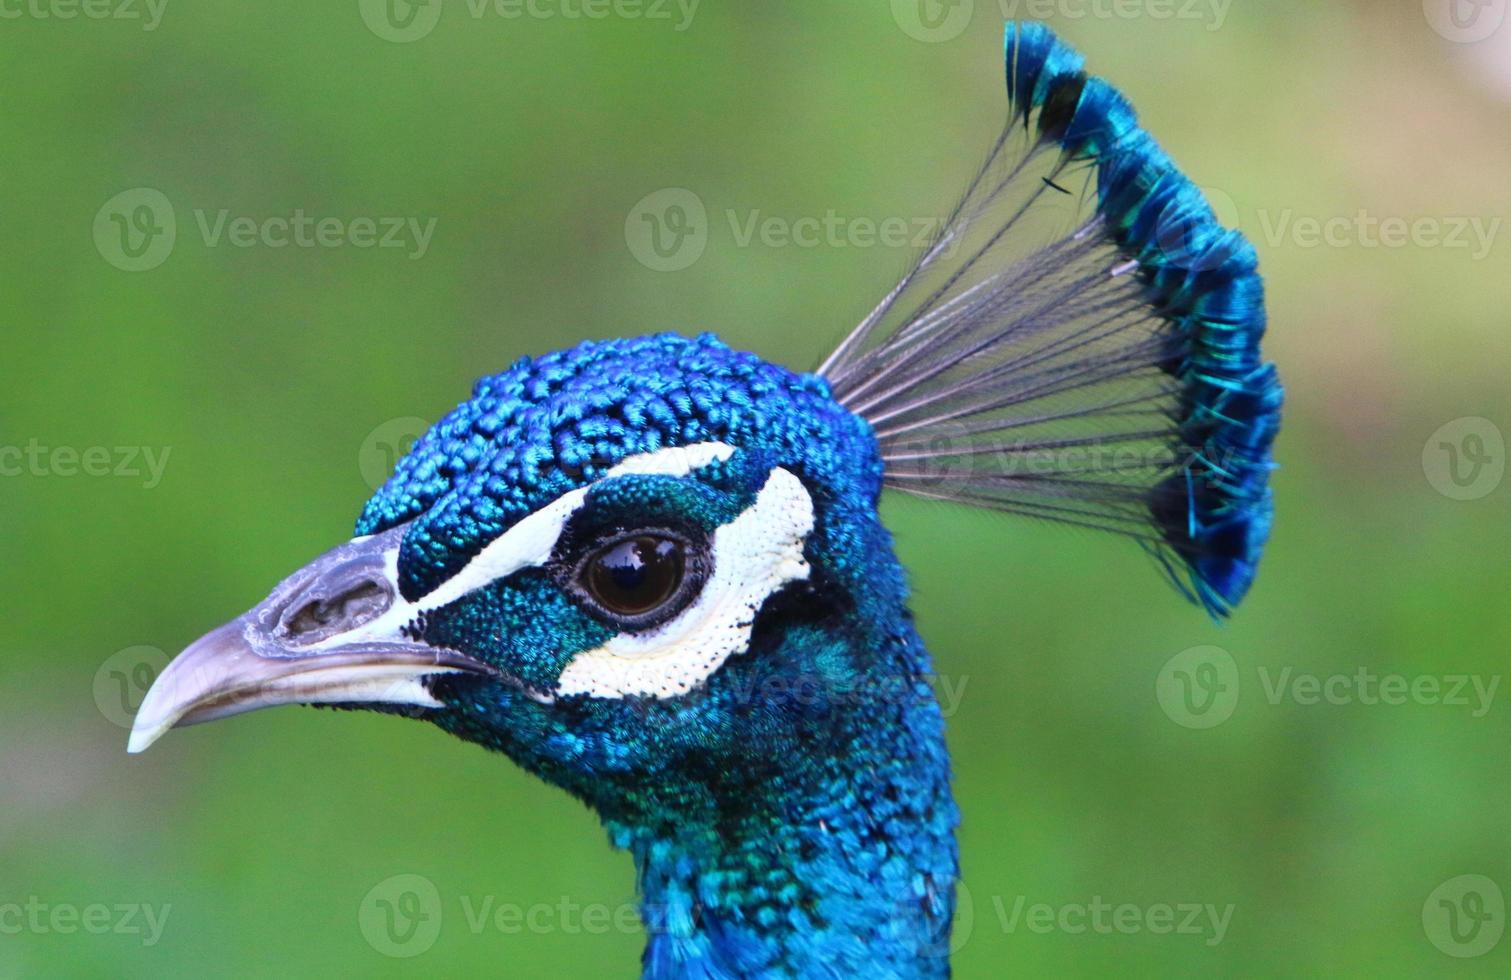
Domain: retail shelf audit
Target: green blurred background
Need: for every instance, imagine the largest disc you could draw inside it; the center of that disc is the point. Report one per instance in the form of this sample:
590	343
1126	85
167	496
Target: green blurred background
272	377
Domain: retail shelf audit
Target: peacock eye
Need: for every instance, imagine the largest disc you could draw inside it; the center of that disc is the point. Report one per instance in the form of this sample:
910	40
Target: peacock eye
635	576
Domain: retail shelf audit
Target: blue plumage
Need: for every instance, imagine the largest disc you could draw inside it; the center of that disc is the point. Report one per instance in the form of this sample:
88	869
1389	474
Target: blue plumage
1110	379
652	571
828	712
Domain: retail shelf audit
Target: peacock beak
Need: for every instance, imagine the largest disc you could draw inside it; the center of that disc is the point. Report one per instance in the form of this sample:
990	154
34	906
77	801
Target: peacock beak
331	633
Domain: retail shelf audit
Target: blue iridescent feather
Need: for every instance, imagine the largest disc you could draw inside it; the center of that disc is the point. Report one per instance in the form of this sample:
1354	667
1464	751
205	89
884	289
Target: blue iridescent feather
1111	378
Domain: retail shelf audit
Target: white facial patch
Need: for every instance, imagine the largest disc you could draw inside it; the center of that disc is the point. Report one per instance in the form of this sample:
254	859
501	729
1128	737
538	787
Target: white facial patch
753	556
527	544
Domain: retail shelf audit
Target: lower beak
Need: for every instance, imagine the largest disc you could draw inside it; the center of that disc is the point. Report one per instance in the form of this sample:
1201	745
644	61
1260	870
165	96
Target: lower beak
220	675
324	636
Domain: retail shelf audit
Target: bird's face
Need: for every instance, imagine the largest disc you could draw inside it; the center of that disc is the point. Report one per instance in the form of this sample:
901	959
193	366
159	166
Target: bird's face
623	565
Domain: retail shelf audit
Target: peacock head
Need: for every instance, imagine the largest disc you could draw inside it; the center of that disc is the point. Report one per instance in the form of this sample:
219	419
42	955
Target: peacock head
618	563
652	570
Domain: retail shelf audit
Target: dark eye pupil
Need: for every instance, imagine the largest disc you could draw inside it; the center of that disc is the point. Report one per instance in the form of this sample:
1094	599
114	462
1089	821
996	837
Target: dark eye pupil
635	575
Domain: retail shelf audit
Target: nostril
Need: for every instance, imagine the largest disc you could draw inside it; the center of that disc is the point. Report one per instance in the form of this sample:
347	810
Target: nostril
319	617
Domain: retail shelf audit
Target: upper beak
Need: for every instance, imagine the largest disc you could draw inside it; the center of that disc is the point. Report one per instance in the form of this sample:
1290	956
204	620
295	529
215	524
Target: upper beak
330	633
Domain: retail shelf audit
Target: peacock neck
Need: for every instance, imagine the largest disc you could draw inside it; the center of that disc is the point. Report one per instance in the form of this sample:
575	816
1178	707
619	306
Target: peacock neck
837	859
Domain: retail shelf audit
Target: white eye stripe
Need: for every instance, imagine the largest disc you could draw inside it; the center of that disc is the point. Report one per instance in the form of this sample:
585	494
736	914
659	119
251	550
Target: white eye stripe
530	542
753	556
527	544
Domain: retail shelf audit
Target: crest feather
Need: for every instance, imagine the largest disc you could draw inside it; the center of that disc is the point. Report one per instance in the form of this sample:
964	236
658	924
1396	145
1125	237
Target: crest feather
1109	379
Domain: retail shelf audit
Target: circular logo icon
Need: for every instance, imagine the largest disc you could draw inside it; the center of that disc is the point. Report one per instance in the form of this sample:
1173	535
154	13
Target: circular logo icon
401	916
124	679
136	229
1465	21
1198	688
1465	916
667	230
1178	244
926	915
1223	206
1465	459
942	460
933	21
385	446
400	21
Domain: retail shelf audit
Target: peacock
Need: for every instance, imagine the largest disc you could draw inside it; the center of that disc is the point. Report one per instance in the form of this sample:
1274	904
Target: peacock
651	571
